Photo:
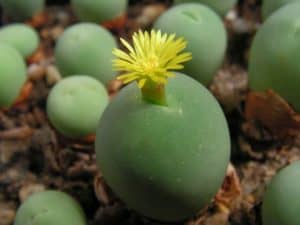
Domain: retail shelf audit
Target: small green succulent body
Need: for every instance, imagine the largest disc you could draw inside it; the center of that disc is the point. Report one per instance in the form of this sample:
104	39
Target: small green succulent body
75	105
99	11
205	34
166	162
86	48
270	6
50	208
274	58
281	203
12	74
20	10
21	37
220	6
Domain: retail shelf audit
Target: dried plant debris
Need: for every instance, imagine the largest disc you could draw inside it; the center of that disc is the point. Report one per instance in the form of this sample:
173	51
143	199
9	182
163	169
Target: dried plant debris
273	112
34	157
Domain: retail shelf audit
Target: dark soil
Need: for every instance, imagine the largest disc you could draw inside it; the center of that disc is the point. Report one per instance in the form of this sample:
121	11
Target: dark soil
33	157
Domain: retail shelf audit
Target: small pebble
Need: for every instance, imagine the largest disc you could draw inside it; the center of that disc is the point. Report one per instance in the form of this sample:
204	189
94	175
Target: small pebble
35	72
150	14
52	75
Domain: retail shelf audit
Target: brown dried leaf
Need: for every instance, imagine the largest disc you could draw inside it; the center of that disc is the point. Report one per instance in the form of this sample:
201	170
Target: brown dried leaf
273	112
38	20
17	133
102	191
116	24
37	56
230	191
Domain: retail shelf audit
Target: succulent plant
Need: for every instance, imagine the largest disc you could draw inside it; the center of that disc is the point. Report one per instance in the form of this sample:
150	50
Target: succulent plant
221	7
51	208
86	48
281	201
12	75
99	11
21	37
270	6
274	55
206	36
20	10
163	147
75	105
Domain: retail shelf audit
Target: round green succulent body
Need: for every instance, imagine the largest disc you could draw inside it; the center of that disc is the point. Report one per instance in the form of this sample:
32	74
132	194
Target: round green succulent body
75	105
166	162
99	11
12	75
274	59
50	208
281	203
20	10
220	6
21	37
270	6
86	48
205	34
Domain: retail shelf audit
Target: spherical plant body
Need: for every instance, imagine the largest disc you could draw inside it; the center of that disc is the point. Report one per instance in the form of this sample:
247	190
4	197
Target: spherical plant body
162	144
270	6
12	75
274	55
20	10
50	208
86	48
75	105
21	37
221	7
99	11
206	36
281	201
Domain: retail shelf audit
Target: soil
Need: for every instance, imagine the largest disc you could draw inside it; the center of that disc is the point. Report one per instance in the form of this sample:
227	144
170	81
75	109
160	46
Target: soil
34	157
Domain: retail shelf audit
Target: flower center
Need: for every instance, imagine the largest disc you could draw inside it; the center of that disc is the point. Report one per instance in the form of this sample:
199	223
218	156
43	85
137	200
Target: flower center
150	65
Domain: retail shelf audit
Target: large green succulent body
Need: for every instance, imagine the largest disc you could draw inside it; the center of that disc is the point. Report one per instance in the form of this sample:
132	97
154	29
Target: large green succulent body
75	105
205	34
50	208
99	11
274	61
220	6
166	162
12	75
21	10
270	6
86	48
21	37
281	203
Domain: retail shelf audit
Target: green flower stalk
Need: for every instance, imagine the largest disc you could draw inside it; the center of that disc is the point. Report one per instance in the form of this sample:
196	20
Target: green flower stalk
274	55
21	37
50	208
220	6
159	137
206	36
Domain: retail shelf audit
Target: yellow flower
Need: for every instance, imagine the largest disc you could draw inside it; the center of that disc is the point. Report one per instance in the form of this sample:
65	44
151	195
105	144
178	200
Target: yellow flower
151	58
